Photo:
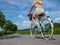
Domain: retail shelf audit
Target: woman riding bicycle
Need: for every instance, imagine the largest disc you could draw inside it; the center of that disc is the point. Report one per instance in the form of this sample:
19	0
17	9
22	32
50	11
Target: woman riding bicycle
37	4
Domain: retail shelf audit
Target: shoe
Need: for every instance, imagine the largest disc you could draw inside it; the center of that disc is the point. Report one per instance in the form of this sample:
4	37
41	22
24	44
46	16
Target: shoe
35	26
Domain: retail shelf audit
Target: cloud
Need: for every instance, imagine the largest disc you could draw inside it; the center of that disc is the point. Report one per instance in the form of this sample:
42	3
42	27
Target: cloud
17	2
53	13
20	16
49	3
2	0
20	26
26	23
47	12
16	24
13	2
57	20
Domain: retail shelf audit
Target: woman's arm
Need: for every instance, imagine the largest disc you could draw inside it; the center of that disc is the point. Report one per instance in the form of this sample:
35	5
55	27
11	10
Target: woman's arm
31	8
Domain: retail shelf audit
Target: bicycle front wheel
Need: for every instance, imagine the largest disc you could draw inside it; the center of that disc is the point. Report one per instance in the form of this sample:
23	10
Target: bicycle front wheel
32	30
47	28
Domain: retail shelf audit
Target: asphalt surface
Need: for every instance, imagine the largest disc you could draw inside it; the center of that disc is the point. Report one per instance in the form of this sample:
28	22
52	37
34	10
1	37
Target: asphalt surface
28	40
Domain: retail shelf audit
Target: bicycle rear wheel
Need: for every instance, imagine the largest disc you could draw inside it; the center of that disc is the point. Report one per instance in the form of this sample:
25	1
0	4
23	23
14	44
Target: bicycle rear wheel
47	28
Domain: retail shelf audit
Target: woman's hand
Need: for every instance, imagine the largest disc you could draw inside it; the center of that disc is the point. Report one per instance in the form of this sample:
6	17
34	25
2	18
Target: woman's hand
30	15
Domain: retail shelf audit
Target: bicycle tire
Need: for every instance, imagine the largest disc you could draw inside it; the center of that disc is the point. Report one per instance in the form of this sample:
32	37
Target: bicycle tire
32	31
46	27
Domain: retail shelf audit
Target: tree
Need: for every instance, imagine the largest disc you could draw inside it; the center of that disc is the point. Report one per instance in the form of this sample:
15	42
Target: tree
57	25
2	19
9	26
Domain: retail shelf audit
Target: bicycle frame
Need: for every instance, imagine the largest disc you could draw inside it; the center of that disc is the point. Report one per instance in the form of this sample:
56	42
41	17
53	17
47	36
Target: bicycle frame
40	29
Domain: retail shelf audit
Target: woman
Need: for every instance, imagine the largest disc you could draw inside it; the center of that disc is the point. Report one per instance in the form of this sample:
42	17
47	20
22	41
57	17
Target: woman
37	4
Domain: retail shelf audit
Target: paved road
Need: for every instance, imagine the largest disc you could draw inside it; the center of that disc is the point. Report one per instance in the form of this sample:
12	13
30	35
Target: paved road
27	40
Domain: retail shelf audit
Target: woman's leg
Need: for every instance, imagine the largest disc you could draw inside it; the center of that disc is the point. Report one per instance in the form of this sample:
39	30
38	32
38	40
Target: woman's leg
34	21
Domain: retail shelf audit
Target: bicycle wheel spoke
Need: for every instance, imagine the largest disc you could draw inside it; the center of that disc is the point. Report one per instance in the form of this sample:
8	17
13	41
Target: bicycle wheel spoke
32	31
47	26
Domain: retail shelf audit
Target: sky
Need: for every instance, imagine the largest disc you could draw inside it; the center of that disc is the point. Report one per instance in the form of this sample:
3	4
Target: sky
17	10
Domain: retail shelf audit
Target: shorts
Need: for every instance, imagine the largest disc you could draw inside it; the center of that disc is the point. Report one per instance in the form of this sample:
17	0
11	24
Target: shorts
38	12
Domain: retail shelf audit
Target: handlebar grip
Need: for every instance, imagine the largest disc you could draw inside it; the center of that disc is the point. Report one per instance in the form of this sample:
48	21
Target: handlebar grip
30	16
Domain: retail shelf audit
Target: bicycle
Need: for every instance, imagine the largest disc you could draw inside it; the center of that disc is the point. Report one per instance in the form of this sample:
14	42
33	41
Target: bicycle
45	28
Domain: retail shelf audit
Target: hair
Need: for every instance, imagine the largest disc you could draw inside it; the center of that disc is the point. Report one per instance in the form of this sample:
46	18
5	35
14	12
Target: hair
38	1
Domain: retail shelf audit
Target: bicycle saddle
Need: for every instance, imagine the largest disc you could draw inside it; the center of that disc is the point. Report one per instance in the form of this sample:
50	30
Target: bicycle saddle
42	14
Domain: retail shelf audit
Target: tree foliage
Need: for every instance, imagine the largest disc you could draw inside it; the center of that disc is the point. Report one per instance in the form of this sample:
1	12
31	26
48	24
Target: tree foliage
2	19
7	25
57	25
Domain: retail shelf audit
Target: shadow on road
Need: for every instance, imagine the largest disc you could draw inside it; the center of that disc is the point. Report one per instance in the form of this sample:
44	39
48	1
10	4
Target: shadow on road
17	36
9	37
39	37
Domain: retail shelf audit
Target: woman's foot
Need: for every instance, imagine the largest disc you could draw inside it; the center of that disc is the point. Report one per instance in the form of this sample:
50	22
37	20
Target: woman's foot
35	26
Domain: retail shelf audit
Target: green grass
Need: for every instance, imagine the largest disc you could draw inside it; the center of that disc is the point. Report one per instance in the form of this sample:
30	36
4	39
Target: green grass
3	33
24	31
27	31
57	31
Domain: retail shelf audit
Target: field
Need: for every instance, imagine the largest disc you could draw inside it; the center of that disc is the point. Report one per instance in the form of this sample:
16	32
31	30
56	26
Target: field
27	31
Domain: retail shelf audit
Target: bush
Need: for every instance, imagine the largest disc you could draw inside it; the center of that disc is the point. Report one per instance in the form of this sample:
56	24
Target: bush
3	33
